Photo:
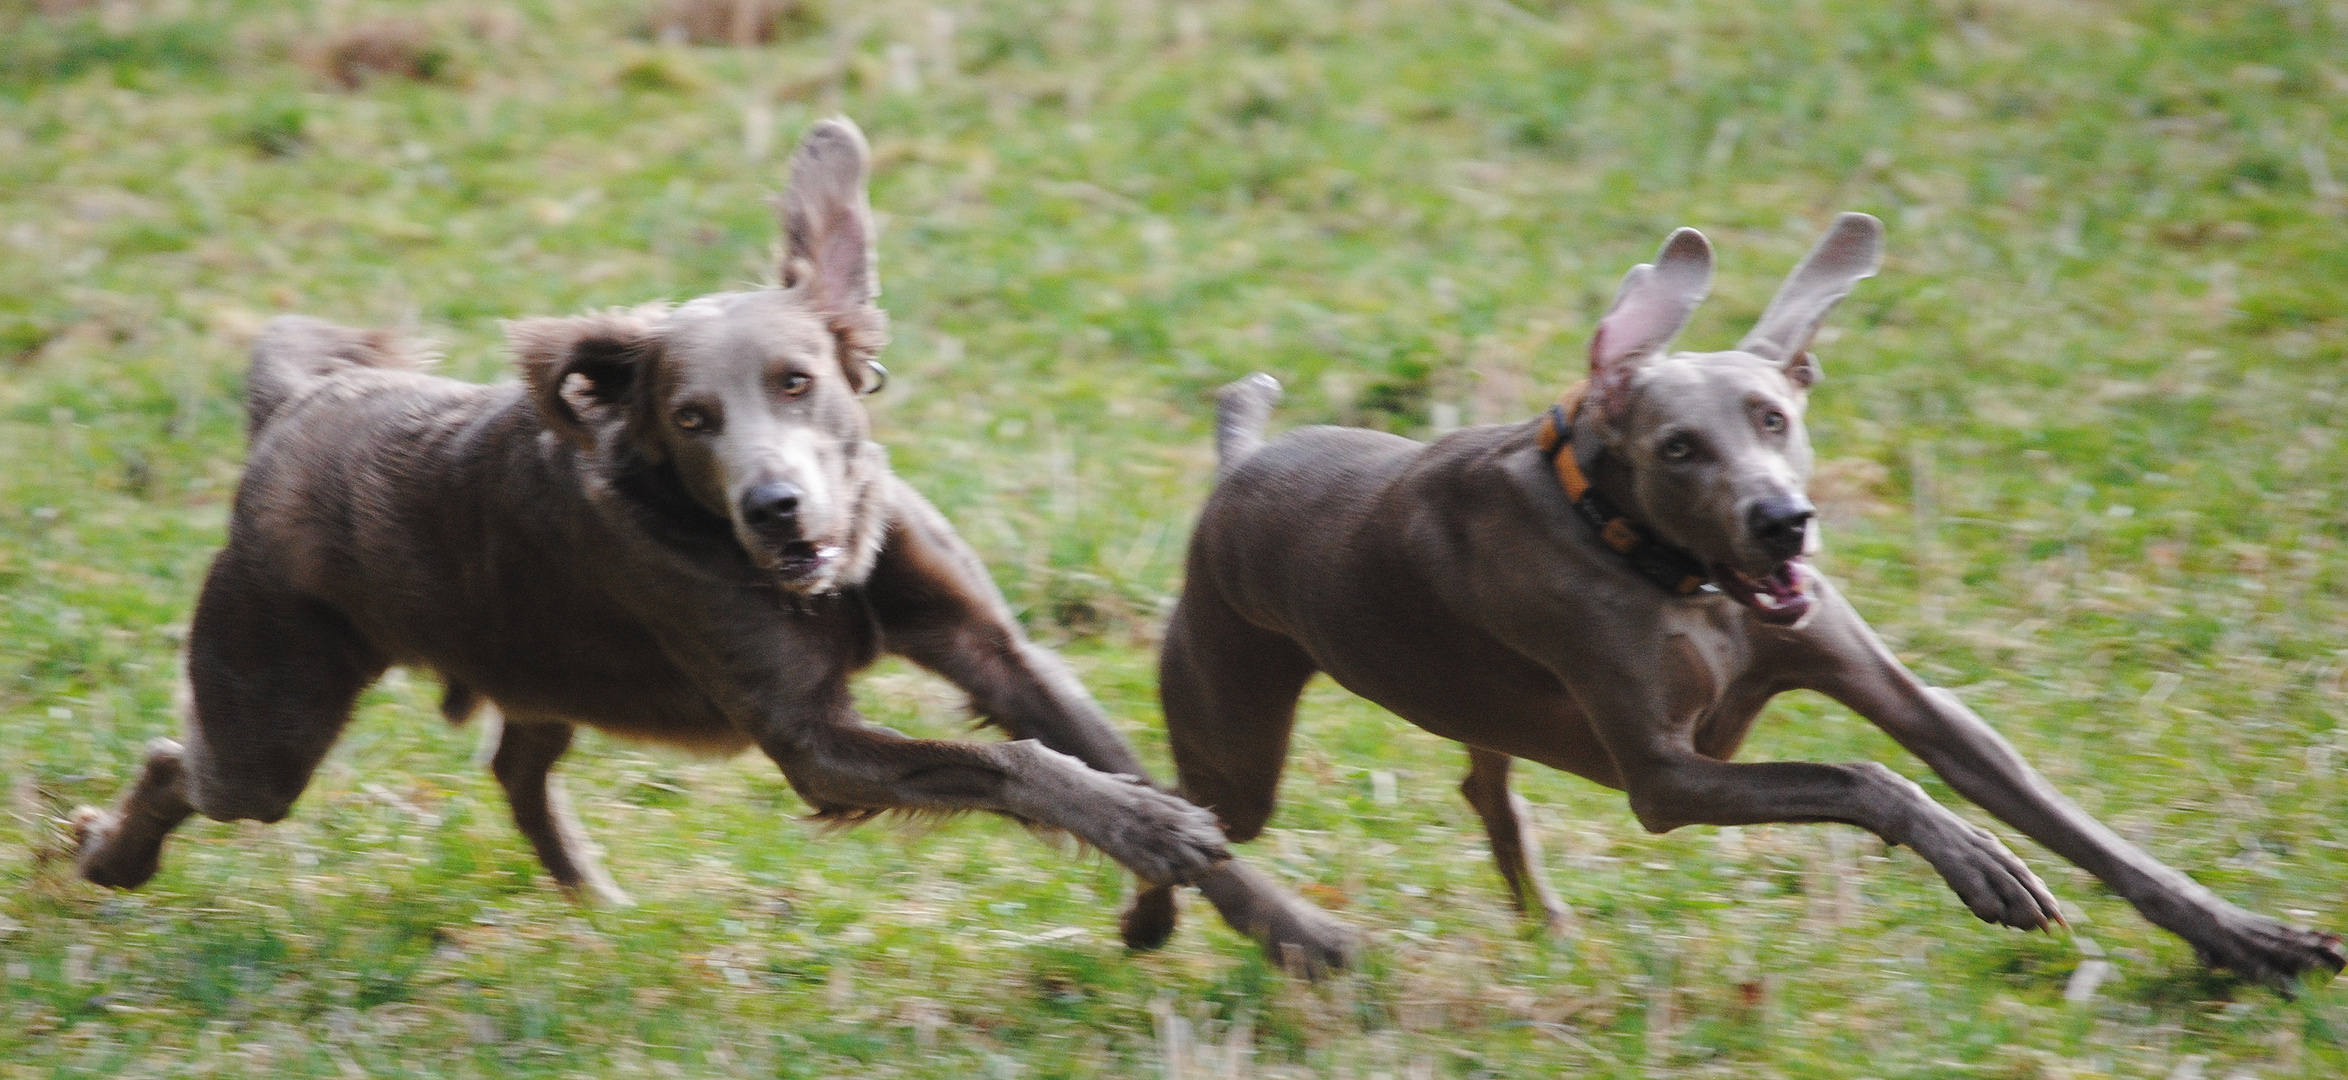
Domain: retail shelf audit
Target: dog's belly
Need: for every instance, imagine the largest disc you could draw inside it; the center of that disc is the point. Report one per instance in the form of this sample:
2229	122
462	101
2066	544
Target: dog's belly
1474	691
1458	681
677	716
613	681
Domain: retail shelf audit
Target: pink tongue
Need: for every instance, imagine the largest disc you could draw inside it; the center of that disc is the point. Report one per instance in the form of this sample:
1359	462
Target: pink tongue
1779	596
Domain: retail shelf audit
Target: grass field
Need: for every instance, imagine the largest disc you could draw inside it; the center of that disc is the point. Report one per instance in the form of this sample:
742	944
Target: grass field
2082	460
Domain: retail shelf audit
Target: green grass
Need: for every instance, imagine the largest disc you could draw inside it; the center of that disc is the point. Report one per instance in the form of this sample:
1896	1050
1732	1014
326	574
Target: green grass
2082	457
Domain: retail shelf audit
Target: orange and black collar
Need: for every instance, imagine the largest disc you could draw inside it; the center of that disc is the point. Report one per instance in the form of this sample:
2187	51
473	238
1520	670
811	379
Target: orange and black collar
1671	569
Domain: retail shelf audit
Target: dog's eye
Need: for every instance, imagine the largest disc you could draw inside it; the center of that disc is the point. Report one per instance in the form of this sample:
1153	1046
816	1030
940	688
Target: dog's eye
1773	421
796	383
694	419
1677	449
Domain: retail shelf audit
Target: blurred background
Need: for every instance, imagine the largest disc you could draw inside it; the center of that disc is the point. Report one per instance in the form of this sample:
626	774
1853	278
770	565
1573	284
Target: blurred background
2080	460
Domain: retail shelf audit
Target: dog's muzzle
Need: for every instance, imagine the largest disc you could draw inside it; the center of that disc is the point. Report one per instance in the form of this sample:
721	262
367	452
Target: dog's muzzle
1779	527
772	508
1780	524
771	515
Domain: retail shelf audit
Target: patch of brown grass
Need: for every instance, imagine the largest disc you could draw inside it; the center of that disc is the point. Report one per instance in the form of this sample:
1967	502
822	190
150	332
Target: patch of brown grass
380	48
1848	490
726	22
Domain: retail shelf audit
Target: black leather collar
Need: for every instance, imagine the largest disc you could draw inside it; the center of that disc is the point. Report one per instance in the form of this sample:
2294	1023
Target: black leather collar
1672	570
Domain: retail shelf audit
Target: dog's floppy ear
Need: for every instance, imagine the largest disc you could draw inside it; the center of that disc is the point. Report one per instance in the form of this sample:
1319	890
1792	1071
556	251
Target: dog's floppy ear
1851	250
1654	302
611	353
828	242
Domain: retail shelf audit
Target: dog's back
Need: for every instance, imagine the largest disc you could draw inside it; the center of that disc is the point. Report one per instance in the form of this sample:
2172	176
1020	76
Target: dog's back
1284	527
357	455
417	508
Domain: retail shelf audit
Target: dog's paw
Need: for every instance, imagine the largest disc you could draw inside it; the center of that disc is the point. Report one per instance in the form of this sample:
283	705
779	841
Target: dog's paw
1991	880
90	830
1161	837
2265	950
597	892
1309	944
1301	938
1150	920
84	826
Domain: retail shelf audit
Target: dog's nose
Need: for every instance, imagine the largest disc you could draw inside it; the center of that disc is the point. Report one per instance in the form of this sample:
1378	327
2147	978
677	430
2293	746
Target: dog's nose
1780	523
772	505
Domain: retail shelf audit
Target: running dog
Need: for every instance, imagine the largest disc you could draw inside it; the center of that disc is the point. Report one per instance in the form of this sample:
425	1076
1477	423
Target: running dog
676	528
1614	589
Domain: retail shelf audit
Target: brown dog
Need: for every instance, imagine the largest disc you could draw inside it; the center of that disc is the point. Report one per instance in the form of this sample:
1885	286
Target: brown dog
676	528
1615	590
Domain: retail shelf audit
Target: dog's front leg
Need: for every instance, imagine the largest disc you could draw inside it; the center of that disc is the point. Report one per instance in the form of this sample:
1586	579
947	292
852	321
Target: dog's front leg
1852	665
937	607
780	674
1647	721
786	684
849	769
1678	787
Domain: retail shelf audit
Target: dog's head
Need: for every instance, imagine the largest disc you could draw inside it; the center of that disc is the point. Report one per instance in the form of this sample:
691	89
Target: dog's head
1708	449
748	400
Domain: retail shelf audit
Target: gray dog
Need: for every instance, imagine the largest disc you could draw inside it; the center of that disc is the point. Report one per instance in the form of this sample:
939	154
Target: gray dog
1614	589
676	528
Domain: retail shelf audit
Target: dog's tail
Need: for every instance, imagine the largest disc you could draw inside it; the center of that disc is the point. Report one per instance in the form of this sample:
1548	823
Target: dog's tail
294	353
1241	411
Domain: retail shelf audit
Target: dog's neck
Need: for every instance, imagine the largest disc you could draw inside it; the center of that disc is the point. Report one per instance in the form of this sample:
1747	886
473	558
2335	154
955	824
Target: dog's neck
1671	569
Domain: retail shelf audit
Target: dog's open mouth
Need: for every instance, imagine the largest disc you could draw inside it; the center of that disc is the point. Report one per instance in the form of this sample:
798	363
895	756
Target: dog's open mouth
799	560
1778	599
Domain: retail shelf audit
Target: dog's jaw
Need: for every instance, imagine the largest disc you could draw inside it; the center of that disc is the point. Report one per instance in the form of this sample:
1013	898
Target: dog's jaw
1780	599
796	561
803	567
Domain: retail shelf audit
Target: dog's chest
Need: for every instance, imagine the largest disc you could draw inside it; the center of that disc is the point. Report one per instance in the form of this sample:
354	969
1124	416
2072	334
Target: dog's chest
1712	672
1710	644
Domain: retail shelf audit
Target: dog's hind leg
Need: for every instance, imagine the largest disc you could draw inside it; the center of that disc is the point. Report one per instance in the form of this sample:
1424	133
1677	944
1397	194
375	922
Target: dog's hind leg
526	752
1515	846
272	679
1229	690
937	606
